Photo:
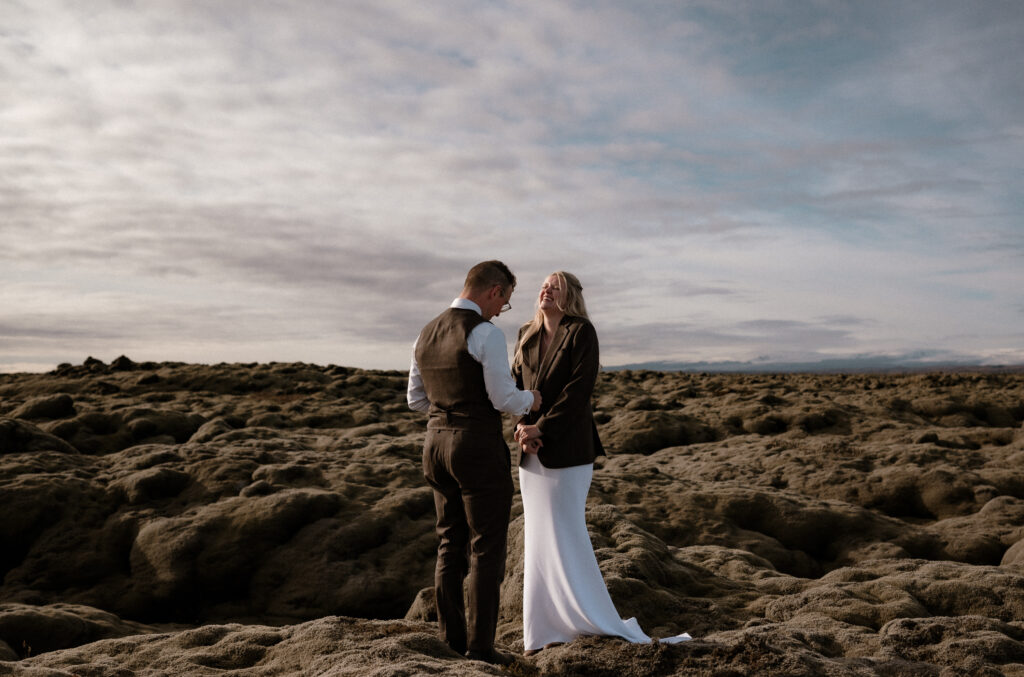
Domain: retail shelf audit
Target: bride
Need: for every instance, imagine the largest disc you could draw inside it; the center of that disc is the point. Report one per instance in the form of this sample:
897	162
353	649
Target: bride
564	595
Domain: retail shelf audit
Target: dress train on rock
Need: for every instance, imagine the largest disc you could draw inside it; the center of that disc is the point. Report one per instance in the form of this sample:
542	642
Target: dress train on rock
564	594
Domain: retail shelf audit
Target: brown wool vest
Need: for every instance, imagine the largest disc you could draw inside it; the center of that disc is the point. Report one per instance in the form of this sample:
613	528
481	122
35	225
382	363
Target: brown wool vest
452	378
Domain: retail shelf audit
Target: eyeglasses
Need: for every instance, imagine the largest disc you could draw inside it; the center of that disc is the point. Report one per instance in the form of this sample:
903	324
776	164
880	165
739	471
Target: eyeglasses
508	294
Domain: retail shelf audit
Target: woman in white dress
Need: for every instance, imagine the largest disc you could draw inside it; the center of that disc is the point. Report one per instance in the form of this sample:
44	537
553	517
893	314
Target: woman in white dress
564	595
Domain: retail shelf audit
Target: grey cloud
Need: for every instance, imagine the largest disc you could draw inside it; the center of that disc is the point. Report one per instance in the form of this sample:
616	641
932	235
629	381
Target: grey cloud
681	288
844	320
51	328
166	328
790	334
70	333
1007	243
666	340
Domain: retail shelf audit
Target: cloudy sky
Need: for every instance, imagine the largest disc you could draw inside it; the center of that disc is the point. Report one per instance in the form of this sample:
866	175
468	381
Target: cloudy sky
309	180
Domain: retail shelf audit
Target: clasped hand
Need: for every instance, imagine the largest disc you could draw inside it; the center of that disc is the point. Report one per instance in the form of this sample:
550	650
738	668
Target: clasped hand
528	437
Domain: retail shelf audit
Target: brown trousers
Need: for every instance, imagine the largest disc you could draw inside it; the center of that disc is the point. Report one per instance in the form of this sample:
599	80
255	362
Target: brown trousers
470	473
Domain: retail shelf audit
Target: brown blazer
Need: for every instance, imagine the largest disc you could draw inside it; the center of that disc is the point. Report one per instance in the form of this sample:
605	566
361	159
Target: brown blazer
565	379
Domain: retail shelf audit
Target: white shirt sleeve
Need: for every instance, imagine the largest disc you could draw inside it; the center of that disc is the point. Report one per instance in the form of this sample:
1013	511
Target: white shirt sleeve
486	343
415	394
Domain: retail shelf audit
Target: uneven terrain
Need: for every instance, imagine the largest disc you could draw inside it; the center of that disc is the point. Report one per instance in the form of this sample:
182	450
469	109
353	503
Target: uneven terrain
272	519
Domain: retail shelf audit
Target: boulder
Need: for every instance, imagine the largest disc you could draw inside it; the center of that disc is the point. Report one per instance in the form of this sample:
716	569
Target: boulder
38	629
46	407
20	437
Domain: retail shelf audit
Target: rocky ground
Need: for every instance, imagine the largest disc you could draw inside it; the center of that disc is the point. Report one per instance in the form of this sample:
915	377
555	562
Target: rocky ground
272	519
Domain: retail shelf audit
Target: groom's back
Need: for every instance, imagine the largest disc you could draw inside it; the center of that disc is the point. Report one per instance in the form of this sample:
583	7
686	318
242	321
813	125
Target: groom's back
452	378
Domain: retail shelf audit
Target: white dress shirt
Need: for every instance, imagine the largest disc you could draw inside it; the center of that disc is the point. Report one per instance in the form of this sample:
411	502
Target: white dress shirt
486	343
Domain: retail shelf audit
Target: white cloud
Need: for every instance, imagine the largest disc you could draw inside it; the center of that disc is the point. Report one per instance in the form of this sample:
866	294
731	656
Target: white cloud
321	176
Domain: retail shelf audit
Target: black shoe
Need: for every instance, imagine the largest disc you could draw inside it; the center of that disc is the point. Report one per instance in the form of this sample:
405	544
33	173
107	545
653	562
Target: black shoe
493	657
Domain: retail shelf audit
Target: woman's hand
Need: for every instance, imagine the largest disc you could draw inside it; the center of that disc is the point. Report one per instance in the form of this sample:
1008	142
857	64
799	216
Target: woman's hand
528	437
531	446
525	431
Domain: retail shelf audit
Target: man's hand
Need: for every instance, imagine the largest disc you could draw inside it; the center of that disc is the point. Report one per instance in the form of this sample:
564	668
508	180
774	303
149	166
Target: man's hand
536	400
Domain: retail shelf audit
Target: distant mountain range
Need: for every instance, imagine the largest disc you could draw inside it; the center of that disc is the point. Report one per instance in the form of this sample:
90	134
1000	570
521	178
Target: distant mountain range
853	364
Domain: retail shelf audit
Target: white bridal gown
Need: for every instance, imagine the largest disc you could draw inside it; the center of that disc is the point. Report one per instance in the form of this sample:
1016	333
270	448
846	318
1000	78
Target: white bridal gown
564	595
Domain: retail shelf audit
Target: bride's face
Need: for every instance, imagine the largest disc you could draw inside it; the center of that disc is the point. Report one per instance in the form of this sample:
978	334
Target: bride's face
551	296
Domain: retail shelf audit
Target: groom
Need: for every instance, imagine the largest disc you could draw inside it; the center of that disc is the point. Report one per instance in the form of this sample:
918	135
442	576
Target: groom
460	375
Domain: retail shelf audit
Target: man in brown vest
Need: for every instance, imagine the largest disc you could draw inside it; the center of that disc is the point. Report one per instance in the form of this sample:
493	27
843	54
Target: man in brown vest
460	375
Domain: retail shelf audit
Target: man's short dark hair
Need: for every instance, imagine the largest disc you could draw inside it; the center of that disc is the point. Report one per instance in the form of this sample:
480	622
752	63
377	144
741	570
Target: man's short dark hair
485	275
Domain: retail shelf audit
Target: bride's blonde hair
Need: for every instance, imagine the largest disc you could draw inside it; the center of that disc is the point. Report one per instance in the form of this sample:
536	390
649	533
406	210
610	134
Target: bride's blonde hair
572	305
